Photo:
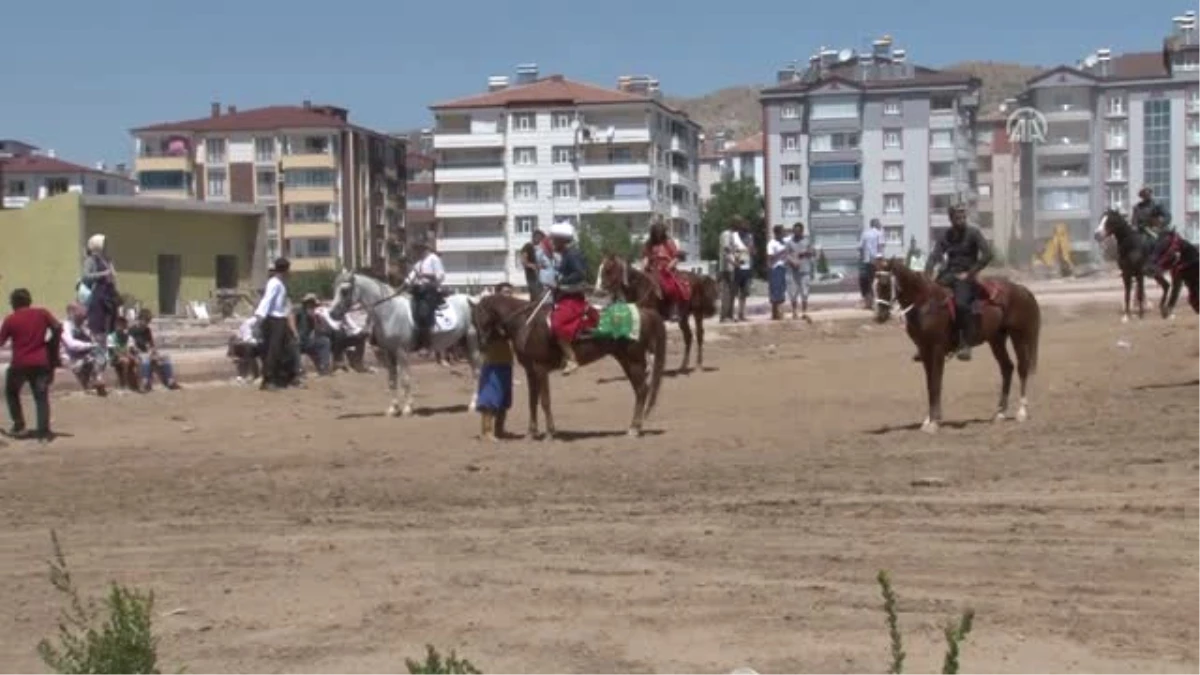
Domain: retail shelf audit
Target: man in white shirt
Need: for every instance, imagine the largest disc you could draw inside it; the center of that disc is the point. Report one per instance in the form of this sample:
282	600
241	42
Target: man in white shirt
870	247
245	352
425	280
348	340
277	327
86	358
734	255
777	272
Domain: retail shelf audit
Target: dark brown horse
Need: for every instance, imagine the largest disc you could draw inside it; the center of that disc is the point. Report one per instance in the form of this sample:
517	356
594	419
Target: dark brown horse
621	280
528	327
1134	257
1008	311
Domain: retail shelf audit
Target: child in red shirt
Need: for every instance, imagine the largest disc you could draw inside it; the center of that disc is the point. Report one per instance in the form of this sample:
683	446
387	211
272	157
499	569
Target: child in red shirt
34	333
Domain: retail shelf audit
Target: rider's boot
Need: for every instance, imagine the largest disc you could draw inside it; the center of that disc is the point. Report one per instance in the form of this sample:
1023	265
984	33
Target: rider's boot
570	363
964	341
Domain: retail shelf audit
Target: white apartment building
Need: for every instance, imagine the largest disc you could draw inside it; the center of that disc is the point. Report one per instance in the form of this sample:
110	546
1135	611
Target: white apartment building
735	160
28	174
526	154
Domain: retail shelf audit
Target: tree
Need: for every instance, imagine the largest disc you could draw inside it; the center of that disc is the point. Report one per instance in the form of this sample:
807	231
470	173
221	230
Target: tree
733	198
822	263
606	234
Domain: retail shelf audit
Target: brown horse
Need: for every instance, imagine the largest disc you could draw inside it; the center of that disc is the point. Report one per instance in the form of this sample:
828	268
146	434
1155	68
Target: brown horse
1008	311
621	280
527	325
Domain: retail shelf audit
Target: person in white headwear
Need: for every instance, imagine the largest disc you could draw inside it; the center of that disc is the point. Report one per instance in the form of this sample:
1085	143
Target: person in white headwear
572	313
100	278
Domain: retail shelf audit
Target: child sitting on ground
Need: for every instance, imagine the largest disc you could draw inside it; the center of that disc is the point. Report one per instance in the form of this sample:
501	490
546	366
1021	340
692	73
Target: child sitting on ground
495	382
151	360
123	355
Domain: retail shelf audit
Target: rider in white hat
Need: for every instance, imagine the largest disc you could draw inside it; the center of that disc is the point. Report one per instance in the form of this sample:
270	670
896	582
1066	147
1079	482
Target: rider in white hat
571	309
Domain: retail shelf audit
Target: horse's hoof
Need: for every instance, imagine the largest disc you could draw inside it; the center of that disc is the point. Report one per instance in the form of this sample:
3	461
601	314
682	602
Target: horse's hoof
393	411
929	427
1125	318
1171	316
634	433
1022	415
1000	417
407	411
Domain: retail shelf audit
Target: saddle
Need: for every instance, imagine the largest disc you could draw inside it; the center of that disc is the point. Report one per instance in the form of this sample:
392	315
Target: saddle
988	292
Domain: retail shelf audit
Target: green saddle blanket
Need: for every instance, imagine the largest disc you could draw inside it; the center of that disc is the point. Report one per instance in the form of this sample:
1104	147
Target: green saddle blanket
618	321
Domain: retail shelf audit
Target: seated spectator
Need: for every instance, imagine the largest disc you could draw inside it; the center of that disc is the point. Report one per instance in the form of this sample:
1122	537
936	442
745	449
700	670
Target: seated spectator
84	357
246	351
123	355
348	341
151	360
312	335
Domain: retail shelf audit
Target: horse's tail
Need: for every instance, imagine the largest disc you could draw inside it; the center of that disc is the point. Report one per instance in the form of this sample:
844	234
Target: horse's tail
709	293
1033	331
659	327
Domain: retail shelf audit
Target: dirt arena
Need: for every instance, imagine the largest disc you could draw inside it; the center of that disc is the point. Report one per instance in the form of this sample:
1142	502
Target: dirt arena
303	531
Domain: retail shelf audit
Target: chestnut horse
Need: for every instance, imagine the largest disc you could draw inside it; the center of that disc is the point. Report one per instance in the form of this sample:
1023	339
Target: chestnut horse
527	326
1135	258
1007	311
619	279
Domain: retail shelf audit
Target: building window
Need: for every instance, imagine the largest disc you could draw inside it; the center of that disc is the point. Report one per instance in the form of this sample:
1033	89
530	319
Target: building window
309	212
309	178
891	138
831	142
163	180
1116	166
838	109
57	186
893	204
525	156
941	138
1118	197
1156	149
16	188
526	224
791	142
1193	100
939	203
214	151
216	182
841	205
525	191
941	170
891	107
985	190
791	174
941	103
264	150
789	112
1064	199
101	186
310	247
1117	135
564	154
562	120
272	247
525	122
1116	103
893	171
264	183
564	189
791	207
834	172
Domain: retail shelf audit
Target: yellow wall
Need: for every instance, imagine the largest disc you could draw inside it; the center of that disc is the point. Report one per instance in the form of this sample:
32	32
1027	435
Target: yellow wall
136	237
39	250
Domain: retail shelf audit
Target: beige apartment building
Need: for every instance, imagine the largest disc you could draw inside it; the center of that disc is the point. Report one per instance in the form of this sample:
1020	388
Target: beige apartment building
334	191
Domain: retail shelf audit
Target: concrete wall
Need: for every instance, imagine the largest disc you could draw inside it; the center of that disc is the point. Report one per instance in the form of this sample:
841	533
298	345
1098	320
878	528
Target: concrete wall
41	251
136	237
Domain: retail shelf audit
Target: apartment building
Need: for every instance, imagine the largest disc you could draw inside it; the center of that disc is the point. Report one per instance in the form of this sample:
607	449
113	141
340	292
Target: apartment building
722	158
334	191
1115	123
862	135
998	208
420	221
28	173
539	149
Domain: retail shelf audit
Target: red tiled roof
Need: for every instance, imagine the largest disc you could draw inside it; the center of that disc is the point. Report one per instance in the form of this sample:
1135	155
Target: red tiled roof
43	164
254	119
751	144
1138	66
547	90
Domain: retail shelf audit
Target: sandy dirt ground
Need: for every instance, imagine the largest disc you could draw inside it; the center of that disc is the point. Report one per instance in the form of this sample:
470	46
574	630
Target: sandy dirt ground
304	531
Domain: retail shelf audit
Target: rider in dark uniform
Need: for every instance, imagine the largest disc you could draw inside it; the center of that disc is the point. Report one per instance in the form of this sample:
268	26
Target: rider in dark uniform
1152	222
966	253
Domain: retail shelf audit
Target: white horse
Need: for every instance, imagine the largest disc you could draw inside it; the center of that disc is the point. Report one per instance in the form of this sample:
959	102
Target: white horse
390	314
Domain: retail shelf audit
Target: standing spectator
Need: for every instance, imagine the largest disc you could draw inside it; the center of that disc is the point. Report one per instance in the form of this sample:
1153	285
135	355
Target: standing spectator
494	397
34	333
869	247
743	273
278	328
726	264
777	252
86	357
800	263
150	359
547	264
101	279
529	262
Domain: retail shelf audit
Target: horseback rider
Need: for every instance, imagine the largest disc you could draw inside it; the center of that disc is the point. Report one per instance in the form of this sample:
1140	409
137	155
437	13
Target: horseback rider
571	312
425	280
1149	216
660	260
966	253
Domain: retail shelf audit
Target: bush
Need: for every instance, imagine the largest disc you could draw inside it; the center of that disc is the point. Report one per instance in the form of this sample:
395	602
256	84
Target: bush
955	633
822	262
319	281
118	640
434	664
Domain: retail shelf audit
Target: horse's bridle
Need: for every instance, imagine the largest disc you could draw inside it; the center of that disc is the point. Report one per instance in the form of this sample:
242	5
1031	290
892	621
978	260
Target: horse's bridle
893	300
625	280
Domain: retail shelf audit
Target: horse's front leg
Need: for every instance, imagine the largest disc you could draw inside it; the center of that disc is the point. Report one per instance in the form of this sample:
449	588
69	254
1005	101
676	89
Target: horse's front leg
685	330
699	340
534	382
934	360
545	396
389	362
1141	296
1000	351
402	367
473	358
1127	280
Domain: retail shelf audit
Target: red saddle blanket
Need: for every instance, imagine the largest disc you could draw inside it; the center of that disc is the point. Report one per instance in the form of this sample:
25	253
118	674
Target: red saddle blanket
988	292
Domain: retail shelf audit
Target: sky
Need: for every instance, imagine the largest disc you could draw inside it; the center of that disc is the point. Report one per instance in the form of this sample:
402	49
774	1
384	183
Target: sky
78	74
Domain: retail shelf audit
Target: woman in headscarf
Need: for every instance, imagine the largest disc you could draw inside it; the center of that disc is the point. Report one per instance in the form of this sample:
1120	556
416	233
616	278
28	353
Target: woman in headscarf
100	277
660	258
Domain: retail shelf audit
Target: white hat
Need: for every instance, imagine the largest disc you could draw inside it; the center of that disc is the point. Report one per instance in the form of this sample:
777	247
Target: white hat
95	243
562	230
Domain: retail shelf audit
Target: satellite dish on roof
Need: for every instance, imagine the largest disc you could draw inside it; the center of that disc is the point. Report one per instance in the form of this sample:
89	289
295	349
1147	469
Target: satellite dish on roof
845	55
1090	61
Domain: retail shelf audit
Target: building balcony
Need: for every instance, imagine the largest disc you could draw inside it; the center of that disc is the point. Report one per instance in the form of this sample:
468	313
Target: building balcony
1117	177
470	209
419	203
834	188
302	195
443	140
634	169
839	219
943	119
1193	139
1058	146
1112	142
319	230
592	204
1066	114
493	242
945	185
1063	179
470	172
1193	204
1192	171
984	204
1073	213
943	153
163	163
679	177
165	193
313	264
678	144
629	135
316	160
1116	113
1193	106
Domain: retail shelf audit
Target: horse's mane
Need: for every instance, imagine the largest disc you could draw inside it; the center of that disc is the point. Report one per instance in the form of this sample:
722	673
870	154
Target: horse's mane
367	273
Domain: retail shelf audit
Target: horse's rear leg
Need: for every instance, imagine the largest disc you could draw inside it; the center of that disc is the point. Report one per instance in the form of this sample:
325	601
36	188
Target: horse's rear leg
471	342
389	362
401	358
1166	304
1000	351
686	331
1141	296
1024	345
636	372
1127	280
933	358
534	382
544	388
699	316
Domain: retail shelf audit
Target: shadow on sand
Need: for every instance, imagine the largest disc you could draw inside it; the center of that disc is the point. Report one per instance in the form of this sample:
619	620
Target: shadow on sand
916	426
423	411
1167	385
667	374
